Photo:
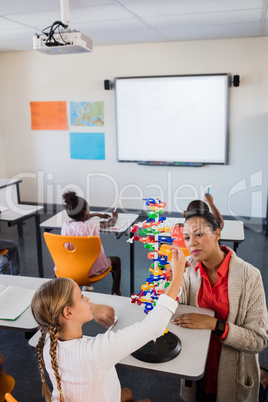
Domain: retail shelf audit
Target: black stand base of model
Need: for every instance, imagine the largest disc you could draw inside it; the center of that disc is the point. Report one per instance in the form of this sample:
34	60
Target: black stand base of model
165	348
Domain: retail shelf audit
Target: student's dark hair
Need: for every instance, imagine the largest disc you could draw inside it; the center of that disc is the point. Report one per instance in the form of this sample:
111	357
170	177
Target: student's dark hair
197	204
212	222
75	205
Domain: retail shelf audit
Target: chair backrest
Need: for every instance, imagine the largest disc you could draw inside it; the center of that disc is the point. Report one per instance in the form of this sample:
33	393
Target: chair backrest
7	383
10	398
76	263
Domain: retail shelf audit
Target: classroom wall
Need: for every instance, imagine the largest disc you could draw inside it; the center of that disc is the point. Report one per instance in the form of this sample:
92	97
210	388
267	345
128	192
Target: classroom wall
2	156
42	158
2	145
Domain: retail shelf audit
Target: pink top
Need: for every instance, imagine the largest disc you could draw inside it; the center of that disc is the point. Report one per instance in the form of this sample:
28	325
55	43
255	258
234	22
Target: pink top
90	227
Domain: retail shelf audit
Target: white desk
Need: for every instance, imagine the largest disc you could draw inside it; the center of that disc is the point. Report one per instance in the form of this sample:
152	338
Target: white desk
232	231
11	182
20	214
189	364
10	196
25	322
123	223
16	213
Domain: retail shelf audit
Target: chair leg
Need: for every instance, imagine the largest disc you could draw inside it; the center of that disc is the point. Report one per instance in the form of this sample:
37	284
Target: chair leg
114	275
116	268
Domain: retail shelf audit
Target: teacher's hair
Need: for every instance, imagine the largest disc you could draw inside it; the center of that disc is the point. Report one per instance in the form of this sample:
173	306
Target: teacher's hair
75	206
47	305
212	222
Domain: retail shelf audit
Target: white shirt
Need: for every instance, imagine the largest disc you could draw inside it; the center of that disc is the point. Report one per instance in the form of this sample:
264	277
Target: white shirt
87	364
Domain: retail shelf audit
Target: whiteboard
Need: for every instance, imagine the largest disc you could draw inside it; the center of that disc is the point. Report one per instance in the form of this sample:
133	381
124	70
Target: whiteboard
174	120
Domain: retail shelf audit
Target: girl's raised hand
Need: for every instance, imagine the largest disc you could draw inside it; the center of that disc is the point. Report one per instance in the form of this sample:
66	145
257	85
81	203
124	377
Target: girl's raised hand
178	267
178	261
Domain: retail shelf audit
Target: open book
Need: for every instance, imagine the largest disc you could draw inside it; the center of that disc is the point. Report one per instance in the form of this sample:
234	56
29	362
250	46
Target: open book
3	208
122	223
14	301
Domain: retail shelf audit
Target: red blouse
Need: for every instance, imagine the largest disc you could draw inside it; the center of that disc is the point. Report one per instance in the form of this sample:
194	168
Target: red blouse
217	299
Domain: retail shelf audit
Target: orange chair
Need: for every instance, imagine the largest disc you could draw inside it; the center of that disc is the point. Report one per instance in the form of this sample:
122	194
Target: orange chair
7	384
10	398
76	263
4	251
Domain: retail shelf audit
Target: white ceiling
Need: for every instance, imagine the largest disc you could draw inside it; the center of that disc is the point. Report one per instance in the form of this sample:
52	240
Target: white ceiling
110	22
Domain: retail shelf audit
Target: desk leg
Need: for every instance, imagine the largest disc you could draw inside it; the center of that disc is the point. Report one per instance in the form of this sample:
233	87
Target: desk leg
18	193
266	220
132	267
20	229
39	245
235	246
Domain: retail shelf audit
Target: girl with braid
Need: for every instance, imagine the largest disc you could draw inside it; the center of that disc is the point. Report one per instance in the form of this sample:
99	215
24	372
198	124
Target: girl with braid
81	369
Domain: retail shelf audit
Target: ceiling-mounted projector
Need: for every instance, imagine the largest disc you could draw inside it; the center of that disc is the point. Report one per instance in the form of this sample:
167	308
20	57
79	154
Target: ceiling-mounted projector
58	39
64	42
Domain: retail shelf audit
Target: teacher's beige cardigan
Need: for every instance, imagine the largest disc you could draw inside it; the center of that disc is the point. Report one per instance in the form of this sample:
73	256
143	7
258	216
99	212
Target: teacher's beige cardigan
238	377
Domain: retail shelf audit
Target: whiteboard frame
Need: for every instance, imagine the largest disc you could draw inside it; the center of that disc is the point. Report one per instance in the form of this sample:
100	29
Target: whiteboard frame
178	162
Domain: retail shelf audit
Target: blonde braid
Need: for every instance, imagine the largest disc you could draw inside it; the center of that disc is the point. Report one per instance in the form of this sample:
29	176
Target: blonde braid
40	346
53	330
47	306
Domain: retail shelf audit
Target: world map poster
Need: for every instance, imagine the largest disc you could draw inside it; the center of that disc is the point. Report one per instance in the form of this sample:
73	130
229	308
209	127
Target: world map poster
87	114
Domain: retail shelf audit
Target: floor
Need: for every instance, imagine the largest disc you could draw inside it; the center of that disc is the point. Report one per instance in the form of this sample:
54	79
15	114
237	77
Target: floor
20	359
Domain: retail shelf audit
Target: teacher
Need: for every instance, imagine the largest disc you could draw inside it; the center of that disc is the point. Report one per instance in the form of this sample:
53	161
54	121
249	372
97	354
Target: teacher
219	280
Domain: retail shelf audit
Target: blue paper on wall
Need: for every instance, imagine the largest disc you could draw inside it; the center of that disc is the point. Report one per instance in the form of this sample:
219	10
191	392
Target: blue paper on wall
87	146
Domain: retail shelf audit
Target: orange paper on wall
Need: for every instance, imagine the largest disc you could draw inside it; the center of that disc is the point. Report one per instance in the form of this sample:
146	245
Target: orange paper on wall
49	115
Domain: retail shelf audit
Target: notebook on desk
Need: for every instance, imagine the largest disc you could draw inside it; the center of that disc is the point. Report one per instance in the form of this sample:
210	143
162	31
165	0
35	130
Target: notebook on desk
3	208
122	223
14	301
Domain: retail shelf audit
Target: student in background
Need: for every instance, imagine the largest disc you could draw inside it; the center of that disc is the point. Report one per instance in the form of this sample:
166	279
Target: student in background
177	230
4	265
13	258
202	206
81	368
233	288
82	224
